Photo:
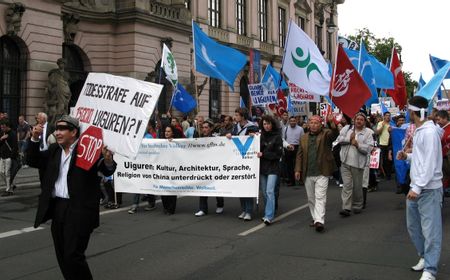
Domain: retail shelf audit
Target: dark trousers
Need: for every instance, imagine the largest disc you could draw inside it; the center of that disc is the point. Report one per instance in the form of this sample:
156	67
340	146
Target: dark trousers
169	203
290	164
70	244
203	203
109	188
387	164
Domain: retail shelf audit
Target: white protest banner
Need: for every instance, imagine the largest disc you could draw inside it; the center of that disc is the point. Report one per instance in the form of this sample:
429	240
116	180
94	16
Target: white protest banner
210	166
120	106
443	104
299	94
375	158
261	95
299	108
375	108
324	109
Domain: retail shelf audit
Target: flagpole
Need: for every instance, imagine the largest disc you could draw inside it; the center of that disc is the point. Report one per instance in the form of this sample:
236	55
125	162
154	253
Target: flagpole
334	73
194	67
359	58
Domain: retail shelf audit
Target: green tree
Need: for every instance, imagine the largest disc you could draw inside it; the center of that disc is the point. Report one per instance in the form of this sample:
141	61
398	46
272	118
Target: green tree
381	48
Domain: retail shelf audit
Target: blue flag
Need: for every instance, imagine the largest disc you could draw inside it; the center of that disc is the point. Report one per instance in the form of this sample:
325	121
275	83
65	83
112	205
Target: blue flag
429	89
182	100
241	102
366	71
272	78
421	82
216	60
401	166
381	73
438	63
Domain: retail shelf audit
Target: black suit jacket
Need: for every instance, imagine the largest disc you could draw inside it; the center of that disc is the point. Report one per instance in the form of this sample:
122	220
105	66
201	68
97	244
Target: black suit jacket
83	187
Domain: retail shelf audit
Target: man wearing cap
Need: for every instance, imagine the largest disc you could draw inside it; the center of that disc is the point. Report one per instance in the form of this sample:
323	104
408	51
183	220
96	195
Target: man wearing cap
69	195
424	199
315	164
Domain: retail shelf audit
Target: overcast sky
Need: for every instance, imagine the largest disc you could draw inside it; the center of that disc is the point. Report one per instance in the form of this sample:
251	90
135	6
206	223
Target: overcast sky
420	27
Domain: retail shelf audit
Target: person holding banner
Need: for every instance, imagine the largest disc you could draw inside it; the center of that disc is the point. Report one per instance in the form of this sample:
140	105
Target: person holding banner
356	143
70	195
207	129
170	201
315	164
271	150
424	199
244	127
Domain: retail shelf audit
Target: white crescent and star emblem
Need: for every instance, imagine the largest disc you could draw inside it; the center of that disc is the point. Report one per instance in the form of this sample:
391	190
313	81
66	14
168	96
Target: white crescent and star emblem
342	84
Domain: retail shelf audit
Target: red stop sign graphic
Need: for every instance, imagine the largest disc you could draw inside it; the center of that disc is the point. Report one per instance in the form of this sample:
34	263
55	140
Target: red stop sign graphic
89	147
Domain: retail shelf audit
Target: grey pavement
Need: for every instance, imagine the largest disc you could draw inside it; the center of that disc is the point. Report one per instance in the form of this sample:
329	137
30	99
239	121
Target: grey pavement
150	245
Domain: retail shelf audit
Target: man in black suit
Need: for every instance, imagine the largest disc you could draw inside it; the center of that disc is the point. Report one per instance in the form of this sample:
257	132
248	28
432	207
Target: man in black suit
69	196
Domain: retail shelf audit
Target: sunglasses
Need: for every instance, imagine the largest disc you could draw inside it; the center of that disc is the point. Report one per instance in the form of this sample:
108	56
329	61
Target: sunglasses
64	127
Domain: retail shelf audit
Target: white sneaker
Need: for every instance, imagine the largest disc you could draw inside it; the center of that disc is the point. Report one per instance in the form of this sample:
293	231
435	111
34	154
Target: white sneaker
427	276
341	185
419	266
219	210
247	217
242	215
200	213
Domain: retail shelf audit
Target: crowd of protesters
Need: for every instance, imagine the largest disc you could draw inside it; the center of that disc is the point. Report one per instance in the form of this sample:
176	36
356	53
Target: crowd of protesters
293	151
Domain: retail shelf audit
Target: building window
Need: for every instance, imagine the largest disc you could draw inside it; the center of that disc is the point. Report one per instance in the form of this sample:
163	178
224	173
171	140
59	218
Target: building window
10	74
262	18
187	4
240	17
318	36
214	13
76	68
214	98
281	26
301	23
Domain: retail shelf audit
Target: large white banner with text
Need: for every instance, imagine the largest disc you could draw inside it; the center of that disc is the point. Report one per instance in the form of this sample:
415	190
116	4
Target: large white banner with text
212	166
120	106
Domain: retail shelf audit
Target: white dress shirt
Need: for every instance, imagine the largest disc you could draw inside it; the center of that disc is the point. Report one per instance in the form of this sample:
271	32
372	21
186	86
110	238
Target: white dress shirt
61	189
43	139
292	134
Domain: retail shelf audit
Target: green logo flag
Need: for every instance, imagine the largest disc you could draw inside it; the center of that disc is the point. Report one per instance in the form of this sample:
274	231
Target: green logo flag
303	63
169	66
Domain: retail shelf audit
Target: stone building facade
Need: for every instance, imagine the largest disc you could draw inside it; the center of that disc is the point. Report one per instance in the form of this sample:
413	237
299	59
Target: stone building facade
124	37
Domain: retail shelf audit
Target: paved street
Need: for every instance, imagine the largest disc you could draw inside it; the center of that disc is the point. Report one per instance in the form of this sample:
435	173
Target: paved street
150	245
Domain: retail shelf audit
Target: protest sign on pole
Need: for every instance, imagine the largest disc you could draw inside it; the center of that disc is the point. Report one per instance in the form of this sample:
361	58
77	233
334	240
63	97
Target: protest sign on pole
375	158
192	167
324	109
443	104
298	108
262	96
120	106
299	94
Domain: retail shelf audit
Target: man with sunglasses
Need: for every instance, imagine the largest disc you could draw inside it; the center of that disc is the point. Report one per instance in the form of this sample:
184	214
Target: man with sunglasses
69	196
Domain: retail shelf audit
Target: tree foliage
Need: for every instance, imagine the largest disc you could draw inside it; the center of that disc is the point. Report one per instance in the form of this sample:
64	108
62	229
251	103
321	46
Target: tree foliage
381	48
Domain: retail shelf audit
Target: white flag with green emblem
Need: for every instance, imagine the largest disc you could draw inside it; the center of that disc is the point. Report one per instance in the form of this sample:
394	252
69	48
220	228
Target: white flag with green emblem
169	66
303	63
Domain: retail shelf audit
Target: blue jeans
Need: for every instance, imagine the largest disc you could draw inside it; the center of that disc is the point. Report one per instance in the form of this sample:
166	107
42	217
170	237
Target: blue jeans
246	204
424	221
267	184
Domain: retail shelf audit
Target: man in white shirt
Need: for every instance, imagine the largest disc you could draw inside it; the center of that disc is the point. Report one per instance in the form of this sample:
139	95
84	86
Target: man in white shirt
291	134
424	199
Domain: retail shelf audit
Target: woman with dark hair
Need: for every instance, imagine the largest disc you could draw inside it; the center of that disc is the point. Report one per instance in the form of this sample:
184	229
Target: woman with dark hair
270	153
170	201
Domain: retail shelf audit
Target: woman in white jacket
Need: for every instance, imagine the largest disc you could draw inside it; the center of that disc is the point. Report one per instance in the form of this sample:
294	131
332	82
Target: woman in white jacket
356	143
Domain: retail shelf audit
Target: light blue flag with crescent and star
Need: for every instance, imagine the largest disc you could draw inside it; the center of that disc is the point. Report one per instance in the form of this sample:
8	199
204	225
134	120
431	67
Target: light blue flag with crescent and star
272	78
366	71
182	100
430	89
383	76
438	63
215	60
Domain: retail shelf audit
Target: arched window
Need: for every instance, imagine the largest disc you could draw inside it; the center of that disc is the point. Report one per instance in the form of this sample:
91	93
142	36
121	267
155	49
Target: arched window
214	98
76	66
12	67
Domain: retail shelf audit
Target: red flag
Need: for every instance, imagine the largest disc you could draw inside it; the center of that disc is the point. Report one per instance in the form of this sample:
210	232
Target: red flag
281	106
348	90
399	92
